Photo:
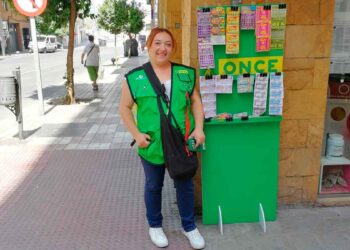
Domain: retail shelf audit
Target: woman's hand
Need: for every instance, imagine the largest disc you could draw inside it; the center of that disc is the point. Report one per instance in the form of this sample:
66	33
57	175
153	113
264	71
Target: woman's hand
143	140
198	134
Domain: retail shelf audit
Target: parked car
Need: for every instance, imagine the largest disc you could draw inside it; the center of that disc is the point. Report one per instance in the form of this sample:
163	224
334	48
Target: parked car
46	43
59	45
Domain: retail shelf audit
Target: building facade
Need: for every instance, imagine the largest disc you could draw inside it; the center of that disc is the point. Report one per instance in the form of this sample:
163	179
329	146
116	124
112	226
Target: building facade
307	57
16	28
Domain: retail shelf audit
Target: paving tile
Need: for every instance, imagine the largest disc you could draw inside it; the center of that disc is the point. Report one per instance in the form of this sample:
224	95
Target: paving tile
77	184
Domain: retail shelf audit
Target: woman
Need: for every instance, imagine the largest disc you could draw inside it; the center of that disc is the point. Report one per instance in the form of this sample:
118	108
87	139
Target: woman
179	81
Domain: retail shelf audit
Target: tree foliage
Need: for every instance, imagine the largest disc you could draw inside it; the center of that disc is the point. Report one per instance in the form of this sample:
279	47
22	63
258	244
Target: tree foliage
117	16
57	12
113	15
135	22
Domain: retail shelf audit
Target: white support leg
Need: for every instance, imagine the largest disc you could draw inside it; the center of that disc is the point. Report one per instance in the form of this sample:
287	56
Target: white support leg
220	222
262	218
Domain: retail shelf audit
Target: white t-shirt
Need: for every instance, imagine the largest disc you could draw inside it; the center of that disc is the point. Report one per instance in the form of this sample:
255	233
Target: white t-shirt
167	85
93	58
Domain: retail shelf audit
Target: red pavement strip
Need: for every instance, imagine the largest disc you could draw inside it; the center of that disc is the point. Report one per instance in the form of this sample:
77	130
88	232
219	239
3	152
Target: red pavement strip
77	199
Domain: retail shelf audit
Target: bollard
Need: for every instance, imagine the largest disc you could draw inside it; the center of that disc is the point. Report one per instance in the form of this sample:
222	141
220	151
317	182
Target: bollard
11	97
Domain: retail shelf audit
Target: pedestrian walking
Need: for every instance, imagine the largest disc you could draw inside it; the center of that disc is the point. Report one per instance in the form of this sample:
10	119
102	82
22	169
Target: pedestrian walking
92	61
183	94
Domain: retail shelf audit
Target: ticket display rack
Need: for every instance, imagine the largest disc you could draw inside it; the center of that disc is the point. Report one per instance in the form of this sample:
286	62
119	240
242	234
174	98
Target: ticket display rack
240	56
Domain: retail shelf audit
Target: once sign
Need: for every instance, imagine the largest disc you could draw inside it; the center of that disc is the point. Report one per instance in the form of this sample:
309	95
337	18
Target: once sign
30	7
252	65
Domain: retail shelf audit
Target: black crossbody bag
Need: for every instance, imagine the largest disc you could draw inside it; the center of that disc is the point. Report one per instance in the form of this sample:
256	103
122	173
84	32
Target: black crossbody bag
180	162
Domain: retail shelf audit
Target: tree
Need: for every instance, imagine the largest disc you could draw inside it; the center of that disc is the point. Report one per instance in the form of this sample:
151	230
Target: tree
112	16
117	16
55	17
135	20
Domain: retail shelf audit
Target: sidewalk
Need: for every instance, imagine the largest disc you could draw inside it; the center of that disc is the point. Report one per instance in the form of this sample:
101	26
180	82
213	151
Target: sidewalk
74	183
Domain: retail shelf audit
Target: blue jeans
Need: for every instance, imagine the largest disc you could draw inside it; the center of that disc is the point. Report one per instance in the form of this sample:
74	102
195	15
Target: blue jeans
153	197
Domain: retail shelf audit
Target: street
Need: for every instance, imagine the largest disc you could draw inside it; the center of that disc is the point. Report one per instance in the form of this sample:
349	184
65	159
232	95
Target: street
53	67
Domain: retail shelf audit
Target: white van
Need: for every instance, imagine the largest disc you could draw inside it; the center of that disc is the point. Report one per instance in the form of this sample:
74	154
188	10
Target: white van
46	43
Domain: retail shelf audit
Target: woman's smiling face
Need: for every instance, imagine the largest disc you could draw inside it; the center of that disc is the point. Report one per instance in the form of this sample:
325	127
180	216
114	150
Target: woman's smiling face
161	48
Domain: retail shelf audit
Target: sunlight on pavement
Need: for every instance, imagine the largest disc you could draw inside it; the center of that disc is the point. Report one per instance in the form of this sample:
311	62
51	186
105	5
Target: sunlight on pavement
15	168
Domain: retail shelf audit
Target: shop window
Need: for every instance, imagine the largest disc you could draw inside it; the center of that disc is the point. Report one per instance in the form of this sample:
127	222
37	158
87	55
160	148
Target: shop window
335	179
335	159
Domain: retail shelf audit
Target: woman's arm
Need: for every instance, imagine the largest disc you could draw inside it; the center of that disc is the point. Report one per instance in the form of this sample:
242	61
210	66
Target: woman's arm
125	110
197	111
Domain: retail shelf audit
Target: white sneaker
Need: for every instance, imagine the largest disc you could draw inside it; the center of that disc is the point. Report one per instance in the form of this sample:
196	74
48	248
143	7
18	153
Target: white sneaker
195	238
158	237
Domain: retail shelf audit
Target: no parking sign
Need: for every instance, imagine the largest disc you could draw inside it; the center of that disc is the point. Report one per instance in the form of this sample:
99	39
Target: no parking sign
30	7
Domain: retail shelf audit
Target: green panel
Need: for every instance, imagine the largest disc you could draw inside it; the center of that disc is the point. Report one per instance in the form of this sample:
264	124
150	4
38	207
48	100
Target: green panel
240	164
234	103
240	170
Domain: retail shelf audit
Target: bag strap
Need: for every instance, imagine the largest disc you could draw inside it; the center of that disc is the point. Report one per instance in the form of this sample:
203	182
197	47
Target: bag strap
157	86
187	118
160	91
90	51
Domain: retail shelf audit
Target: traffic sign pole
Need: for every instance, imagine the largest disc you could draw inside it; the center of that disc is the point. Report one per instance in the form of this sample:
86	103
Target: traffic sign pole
37	66
32	8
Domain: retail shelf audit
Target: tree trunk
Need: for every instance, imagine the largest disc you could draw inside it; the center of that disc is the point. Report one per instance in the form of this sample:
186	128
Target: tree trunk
70	96
130	39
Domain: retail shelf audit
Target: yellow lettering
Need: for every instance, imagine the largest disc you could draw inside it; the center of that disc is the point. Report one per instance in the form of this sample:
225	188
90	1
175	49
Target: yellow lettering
271	64
252	65
245	67
262	69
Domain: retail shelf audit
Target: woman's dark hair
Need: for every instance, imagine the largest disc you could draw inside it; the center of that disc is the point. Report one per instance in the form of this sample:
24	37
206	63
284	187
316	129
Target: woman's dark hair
91	38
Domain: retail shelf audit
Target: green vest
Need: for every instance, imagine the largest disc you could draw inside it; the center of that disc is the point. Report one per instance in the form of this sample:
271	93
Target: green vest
148	116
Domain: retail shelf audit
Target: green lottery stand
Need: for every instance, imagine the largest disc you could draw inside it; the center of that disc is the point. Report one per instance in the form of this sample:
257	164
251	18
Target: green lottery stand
240	163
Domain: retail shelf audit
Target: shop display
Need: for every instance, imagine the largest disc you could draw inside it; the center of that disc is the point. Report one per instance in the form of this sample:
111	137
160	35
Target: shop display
260	93
218	24
203	23
263	28
248	17
278	26
240	115
232	30
207	89
276	94
245	83
229	26
223	84
335	162
335	176
205	54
